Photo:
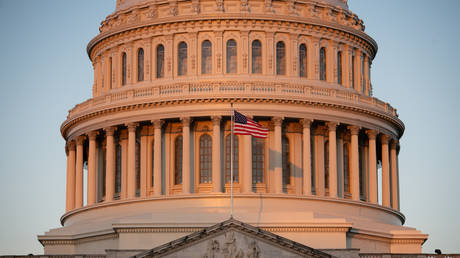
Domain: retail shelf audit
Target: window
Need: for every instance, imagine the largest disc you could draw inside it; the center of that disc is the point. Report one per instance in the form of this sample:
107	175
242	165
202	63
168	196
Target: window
363	81
339	67
140	65
302	60
110	73
258	156
286	161
256	57
153	163
118	169
326	165
322	64
124	66
346	169
228	158
160	61
231	56
138	164
205	159
280	58
182	59
353	72
178	160
206	57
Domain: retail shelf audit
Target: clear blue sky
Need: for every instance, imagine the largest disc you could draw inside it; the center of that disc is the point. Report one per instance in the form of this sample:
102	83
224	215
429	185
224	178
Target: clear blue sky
44	71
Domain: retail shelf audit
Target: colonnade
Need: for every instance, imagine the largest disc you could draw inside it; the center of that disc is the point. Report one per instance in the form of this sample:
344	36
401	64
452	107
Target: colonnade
333	160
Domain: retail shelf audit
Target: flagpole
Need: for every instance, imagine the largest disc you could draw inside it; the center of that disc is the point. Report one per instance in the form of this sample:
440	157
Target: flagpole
231	160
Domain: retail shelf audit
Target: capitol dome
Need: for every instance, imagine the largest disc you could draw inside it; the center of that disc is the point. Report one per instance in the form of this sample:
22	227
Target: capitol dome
155	141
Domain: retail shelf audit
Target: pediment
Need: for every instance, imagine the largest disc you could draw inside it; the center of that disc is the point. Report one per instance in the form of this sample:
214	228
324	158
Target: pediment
233	239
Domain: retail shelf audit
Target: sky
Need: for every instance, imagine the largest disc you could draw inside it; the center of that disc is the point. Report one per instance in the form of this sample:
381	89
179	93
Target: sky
45	71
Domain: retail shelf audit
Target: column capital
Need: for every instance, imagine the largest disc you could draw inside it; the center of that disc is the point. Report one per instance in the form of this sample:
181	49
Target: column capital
186	121
394	143
354	129
277	121
306	122
109	131
92	135
332	126
132	126
81	139
71	144
371	134
385	138
216	120
158	123
320	130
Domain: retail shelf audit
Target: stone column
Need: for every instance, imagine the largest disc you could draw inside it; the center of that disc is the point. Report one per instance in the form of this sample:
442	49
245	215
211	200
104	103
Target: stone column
246	172
185	155
373	192
70	193
216	170
354	130
332	126
306	156
91	185
131	160
394	175
79	172
157	157
385	171
110	164
278	162
319	133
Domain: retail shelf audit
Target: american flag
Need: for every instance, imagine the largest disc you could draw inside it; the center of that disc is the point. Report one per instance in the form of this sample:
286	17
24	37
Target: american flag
246	126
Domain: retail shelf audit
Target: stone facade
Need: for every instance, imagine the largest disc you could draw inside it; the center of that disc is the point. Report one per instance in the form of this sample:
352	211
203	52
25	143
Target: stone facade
154	138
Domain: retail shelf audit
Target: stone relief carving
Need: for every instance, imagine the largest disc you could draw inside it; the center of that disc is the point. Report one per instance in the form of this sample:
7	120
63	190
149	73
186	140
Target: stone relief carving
230	248
152	12
173	8
268	6
220	5
291	7
196	6
244	6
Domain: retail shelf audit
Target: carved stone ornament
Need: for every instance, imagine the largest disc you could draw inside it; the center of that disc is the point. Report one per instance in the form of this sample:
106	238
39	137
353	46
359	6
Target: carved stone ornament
244	6
268	6
173	8
220	5
291	6
152	12
196	6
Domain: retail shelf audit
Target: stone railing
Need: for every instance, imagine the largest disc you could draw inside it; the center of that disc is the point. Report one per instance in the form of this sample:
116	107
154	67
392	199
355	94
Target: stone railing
157	92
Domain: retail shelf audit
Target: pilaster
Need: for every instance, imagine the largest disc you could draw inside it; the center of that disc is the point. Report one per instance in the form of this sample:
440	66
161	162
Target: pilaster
216	164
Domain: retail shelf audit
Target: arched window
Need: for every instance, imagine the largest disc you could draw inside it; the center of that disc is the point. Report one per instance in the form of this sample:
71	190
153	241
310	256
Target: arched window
110	73
138	164
160	61
258	157
363	81
206	57
256	57
286	161
228	158
140	65
205	159
182	59
231	56
124	66
339	67
153	164
302	60
326	165
322	64
280	58
178	160
118	168
353	71
346	169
